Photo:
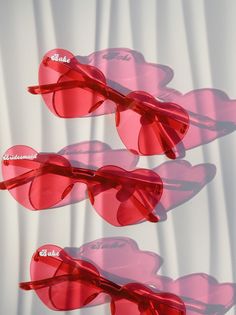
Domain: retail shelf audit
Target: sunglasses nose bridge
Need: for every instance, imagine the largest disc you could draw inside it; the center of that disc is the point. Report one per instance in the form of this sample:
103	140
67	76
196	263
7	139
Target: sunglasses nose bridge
82	175
115	96
141	107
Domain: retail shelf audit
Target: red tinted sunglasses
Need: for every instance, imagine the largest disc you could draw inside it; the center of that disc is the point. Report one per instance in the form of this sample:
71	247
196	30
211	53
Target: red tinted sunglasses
71	89
63	283
41	181
47	180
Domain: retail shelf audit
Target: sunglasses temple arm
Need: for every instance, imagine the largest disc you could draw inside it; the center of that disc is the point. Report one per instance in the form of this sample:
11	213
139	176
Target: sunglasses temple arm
92	84
173	184
49	168
3	185
18	180
201	307
100	282
24	178
39	284
205	122
190	304
96	87
196	119
54	87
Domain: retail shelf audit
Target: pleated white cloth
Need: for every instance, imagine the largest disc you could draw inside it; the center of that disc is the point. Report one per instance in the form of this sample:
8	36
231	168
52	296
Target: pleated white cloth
197	40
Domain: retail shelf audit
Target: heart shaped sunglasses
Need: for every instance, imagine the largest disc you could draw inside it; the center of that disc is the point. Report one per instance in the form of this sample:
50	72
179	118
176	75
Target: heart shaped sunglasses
63	283
146	125
42	180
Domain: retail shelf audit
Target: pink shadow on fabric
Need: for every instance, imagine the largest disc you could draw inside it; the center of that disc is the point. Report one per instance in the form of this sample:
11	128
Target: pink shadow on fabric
193	178
211	296
212	113
126	70
119	259
217	108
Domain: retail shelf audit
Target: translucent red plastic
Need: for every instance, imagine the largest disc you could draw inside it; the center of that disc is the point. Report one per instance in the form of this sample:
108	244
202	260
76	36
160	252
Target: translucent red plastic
63	283
71	89
41	180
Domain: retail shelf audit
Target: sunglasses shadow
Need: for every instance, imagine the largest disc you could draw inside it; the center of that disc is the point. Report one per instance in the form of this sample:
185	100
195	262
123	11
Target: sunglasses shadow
190	180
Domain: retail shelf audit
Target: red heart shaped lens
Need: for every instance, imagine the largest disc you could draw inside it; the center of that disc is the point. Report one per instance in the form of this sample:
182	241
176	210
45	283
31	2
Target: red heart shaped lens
156	131
39	187
11	170
130	196
49	189
70	101
66	294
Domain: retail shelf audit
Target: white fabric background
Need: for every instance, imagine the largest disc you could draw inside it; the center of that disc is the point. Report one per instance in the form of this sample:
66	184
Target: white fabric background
196	38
